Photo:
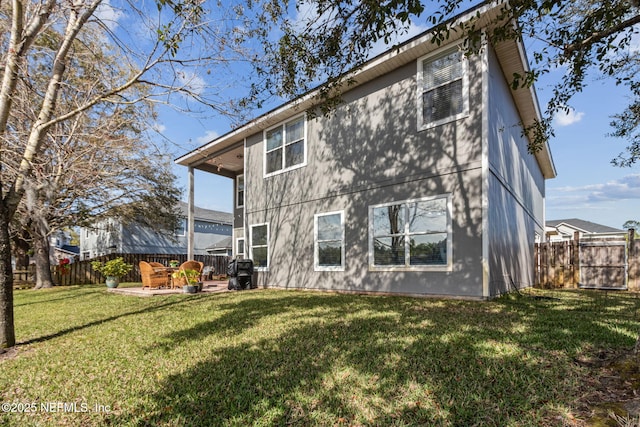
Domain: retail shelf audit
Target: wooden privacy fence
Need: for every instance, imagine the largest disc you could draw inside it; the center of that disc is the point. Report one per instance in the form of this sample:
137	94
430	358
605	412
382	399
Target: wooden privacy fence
81	273
595	263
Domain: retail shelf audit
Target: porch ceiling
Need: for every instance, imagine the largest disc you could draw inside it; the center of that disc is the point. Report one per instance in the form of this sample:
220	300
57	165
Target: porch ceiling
227	162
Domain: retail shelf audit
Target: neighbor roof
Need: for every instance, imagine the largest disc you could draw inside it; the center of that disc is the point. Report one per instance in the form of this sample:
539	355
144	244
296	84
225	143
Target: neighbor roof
201	214
510	53
225	243
582	225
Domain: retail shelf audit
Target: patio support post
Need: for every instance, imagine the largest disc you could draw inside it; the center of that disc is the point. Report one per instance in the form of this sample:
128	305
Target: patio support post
190	216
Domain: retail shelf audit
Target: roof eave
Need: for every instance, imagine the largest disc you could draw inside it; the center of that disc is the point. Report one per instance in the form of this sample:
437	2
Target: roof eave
526	100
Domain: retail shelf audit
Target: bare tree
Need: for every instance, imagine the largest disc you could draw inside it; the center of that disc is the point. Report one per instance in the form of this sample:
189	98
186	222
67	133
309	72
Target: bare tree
168	46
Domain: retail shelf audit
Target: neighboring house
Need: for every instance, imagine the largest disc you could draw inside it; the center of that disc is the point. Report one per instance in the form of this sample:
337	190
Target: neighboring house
565	230
212	229
419	183
61	247
223	247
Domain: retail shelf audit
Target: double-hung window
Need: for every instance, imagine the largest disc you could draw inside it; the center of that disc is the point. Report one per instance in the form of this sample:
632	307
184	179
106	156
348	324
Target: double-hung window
442	89
285	146
240	248
240	191
329	241
260	246
412	234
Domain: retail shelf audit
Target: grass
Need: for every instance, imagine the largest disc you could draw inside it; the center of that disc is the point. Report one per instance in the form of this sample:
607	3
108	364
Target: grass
303	358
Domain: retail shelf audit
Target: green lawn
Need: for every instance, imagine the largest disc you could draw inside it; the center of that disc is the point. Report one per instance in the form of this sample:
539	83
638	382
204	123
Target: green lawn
304	358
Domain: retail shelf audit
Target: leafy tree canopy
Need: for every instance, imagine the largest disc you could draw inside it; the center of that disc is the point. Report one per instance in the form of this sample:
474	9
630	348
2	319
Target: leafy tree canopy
586	38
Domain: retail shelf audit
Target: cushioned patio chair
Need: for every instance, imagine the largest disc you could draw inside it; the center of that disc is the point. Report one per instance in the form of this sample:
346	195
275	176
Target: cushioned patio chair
180	280
150	278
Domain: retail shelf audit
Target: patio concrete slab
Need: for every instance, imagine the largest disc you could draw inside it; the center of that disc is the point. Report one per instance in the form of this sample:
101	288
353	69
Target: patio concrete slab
209	287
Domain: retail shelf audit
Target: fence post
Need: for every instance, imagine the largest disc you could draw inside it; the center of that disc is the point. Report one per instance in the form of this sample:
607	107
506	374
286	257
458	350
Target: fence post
536	264
575	260
632	261
544	266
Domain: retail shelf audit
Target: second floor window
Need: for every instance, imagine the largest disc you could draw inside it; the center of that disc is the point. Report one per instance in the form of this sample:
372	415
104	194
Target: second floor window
285	146
443	89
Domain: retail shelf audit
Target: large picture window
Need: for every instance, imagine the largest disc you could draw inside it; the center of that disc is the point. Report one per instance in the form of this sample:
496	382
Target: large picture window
413	234
329	241
285	146
260	246
443	93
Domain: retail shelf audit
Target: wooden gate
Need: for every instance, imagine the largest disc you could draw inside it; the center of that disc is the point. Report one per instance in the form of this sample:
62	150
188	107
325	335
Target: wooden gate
603	264
595	263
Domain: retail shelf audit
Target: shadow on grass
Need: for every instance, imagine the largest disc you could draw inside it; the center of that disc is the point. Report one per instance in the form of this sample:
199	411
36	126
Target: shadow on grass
309	359
100	321
42	296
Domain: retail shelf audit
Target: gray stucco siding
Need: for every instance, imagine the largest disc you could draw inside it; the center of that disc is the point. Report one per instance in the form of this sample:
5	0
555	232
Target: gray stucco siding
291	245
369	152
509	158
515	191
371	138
511	237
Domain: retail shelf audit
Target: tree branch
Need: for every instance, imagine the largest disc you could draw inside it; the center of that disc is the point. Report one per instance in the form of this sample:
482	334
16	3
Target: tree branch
597	36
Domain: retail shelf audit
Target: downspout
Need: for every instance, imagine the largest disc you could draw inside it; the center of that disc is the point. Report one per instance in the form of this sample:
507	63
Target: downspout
244	204
190	216
486	273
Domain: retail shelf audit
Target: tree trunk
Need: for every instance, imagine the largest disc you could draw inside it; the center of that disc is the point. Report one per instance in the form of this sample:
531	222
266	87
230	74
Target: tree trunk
7	331
21	245
41	251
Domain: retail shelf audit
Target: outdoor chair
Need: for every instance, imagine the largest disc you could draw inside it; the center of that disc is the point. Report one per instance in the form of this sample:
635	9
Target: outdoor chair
150	278
180	281
156	264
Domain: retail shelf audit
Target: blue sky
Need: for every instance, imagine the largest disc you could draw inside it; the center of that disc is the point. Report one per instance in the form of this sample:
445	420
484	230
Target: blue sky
588	186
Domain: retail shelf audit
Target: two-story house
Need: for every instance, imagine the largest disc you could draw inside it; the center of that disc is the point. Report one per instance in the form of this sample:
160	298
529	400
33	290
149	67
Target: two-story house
212	235
419	183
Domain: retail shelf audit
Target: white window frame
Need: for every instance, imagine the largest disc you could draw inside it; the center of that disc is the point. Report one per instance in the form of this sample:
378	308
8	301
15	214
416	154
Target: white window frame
267	245
407	267
240	200
465	88
244	248
316	258
283	125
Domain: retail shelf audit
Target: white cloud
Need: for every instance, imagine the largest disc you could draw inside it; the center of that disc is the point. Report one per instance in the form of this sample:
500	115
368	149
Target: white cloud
158	127
567	118
108	14
192	82
625	188
209	136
